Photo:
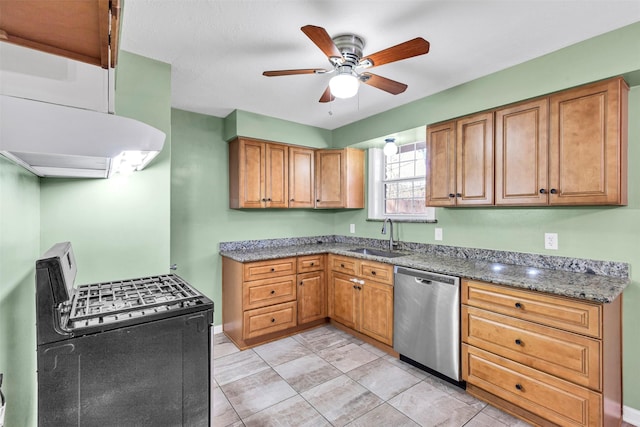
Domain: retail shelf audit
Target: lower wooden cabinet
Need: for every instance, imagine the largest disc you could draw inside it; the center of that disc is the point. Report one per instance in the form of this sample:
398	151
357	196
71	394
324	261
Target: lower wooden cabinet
265	300
312	288
358	302
547	359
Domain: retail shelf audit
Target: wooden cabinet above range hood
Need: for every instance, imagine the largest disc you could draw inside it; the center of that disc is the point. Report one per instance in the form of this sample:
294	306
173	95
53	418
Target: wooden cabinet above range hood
82	30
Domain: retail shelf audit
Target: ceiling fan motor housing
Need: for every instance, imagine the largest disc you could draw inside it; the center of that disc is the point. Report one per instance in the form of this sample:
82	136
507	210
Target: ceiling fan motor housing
350	46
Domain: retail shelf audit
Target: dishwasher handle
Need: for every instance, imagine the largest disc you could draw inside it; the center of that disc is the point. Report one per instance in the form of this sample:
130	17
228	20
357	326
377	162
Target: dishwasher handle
426	277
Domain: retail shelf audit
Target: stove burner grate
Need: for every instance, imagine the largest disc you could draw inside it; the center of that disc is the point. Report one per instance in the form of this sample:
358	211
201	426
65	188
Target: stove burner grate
110	298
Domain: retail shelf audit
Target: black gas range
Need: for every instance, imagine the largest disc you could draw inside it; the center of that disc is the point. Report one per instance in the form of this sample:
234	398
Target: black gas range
125	352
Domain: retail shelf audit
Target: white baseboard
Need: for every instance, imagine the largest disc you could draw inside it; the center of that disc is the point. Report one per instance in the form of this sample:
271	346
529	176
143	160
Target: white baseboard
217	329
630	415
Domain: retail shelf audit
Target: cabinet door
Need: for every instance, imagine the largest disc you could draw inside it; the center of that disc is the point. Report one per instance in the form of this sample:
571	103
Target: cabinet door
474	160
343	300
441	164
330	178
376	318
312	301
246	174
301	177
521	145
588	145
276	176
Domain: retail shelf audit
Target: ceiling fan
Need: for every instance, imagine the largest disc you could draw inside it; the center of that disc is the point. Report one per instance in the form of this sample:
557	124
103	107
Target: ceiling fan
344	51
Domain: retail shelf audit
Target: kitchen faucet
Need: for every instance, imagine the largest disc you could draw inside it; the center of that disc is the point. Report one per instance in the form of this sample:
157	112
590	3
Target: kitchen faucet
392	244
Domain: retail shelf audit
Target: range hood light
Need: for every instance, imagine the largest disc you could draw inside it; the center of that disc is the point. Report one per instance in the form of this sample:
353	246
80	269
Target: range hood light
129	161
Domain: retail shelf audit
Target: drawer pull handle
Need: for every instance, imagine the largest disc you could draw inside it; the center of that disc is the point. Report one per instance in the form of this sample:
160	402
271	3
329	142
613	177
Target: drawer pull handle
518	305
273	320
272	292
518	341
519	386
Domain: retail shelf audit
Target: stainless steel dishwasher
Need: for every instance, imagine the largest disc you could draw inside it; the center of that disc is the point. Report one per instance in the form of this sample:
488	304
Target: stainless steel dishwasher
426	325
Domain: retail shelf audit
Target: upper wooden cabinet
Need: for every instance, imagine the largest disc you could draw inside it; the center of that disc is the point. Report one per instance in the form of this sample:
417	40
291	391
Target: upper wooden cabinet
301	177
588	145
258	174
460	170
340	178
82	30
522	146
568	148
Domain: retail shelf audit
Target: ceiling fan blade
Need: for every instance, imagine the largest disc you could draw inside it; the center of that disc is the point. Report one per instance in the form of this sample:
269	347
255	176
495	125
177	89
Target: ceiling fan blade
292	72
321	38
327	96
388	85
408	49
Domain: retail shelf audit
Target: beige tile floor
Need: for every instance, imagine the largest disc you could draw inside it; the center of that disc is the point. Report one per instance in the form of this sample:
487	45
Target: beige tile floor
326	377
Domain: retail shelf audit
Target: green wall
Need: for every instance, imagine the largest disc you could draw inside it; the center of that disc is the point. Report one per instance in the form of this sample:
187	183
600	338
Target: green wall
119	227
19	248
200	214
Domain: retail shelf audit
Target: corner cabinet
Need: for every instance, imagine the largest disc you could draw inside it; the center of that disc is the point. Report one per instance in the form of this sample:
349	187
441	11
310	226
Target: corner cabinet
258	175
548	359
566	148
361	296
461	162
340	179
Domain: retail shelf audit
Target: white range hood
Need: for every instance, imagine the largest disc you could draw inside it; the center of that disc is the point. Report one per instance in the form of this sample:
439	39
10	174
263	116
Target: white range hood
56	121
57	141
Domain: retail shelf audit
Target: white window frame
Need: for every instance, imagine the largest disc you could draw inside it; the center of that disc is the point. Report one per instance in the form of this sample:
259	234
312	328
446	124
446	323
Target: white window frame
375	192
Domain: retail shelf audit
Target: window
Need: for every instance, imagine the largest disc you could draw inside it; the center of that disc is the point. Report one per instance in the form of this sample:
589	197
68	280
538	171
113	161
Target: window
397	184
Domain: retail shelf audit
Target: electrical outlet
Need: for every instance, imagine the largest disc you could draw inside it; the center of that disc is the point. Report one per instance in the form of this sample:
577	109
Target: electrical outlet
438	234
551	241
352	228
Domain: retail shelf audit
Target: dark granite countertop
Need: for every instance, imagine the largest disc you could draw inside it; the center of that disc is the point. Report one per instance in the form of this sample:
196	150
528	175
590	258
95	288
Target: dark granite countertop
584	286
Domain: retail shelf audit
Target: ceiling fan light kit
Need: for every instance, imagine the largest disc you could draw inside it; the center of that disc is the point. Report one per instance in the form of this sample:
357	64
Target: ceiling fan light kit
344	52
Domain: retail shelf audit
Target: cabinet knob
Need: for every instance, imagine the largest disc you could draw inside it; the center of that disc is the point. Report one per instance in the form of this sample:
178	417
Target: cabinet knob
273	320
264	200
291	200
269	199
272	292
359	288
543	191
301	283
311	264
519	386
317	200
273	269
341	265
458	194
452	195
355	287
518	305
553	191
518	341
373	273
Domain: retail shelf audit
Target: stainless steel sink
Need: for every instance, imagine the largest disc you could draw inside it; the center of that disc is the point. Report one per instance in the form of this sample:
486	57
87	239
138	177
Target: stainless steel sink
376	252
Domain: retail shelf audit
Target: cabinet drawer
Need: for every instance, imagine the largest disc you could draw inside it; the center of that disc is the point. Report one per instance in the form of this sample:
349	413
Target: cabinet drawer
271	268
260	293
310	263
570	356
343	264
379	272
557	400
564	313
261	321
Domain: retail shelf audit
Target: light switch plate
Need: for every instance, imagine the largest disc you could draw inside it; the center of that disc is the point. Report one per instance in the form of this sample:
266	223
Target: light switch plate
352	228
438	234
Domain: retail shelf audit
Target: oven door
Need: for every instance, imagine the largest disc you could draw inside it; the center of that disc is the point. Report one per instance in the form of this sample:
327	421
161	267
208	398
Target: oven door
155	373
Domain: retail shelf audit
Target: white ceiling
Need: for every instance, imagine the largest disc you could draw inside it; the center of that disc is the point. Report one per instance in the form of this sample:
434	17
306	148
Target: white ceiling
218	49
